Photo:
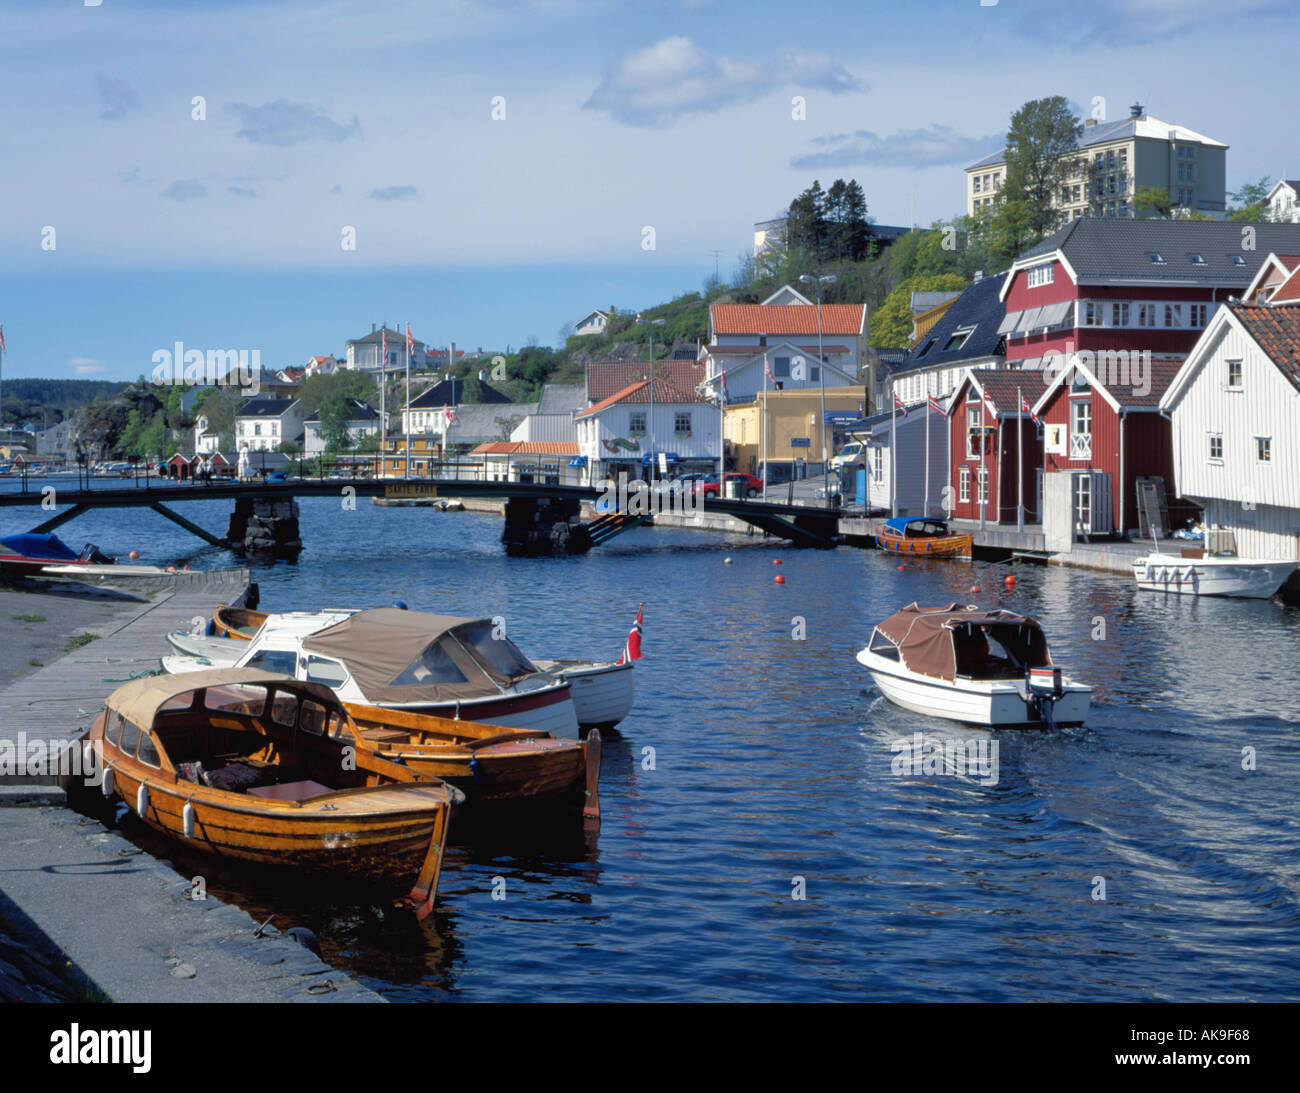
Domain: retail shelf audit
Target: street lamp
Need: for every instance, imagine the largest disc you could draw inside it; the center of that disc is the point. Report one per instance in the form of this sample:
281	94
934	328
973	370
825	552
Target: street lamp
809	279
651	323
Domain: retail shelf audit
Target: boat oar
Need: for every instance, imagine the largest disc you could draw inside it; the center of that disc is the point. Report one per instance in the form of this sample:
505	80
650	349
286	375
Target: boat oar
426	884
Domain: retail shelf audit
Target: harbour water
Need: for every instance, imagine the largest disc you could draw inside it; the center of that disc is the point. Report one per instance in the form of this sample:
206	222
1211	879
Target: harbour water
759	754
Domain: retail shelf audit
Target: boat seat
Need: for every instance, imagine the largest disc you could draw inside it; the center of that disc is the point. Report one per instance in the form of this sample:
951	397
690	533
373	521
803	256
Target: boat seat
291	791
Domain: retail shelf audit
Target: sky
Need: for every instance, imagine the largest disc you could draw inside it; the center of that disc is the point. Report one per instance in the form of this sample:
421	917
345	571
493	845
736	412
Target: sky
195	172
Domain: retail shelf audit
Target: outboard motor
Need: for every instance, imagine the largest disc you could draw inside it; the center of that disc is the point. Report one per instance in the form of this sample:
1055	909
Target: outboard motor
1043	686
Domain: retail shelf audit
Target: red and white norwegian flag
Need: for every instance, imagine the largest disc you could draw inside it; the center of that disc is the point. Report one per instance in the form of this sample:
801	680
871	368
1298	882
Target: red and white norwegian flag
898	405
989	403
722	378
450	415
632	650
935	405
767	367
410	342
1024	405
2	339
383	343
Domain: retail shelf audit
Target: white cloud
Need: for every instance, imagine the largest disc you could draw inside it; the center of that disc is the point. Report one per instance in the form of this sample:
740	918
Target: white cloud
117	97
86	366
393	193
932	146
674	77
283	123
185	189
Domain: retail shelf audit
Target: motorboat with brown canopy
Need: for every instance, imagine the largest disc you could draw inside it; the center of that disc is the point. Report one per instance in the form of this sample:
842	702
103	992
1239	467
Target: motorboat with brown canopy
971	664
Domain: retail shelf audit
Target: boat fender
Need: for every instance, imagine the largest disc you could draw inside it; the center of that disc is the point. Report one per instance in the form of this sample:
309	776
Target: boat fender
187	820
142	800
473	769
107	785
87	756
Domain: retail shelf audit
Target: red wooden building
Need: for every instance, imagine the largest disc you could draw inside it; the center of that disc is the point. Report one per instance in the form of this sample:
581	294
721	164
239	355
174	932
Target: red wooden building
1104	422
996	450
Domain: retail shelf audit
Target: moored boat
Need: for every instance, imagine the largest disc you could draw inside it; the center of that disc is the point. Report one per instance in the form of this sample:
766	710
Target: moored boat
255	767
923	536
1194	573
492	765
603	691
965	663
30	554
240	623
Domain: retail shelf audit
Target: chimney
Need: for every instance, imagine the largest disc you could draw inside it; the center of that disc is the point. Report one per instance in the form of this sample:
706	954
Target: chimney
451	354
372	328
1135	111
979	275
1090	123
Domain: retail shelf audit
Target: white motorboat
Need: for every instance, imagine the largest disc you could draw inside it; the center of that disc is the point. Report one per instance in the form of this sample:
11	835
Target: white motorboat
972	665
409	660
602	692
218	652
1211	575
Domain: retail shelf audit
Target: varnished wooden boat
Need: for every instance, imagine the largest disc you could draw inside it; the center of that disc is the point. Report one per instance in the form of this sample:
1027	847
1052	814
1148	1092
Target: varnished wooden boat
491	764
923	537
257	767
240	623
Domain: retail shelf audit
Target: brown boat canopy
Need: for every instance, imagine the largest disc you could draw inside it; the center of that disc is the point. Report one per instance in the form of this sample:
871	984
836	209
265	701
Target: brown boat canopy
938	641
397	656
139	700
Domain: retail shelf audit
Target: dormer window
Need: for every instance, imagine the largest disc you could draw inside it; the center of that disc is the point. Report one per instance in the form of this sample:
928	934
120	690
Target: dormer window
1157	259
1040	275
959	338
1196	259
1237	259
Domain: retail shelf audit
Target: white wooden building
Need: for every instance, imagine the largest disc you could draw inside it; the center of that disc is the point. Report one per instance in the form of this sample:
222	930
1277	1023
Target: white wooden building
622	432
906	494
1235	407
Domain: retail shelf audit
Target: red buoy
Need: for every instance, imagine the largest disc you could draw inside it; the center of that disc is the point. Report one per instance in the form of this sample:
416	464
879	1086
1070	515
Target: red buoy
778	579
902	567
1010	582
134	555
776	561
975	588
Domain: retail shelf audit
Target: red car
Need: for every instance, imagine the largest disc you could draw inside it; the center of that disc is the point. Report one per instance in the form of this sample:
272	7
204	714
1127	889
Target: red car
752	487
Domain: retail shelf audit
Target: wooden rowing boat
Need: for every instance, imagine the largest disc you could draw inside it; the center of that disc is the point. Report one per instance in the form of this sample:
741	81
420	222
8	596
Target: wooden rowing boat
922	537
491	764
240	623
253	766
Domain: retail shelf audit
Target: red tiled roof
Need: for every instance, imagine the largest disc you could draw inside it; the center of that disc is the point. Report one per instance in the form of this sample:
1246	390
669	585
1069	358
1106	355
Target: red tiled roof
664	392
787	318
1277	330
1289	290
604	378
527	447
755	350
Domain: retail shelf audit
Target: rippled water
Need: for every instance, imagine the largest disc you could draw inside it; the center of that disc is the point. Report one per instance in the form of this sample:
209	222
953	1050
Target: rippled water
771	760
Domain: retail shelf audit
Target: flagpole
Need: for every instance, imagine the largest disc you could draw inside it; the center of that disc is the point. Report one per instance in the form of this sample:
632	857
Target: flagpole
764	466
383	411
1020	459
926	514
893	450
407	416
981	486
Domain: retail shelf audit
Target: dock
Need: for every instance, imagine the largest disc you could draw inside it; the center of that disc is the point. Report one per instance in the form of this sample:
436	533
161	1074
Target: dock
123	920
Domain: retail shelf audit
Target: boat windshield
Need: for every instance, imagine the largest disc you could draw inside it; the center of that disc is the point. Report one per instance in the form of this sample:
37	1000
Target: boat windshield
496	652
433	666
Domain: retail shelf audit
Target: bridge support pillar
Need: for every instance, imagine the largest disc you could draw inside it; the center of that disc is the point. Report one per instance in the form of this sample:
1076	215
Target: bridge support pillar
264	526
544	525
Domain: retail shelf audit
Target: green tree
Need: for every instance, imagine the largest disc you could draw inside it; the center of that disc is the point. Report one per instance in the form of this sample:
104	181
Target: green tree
336	411
805	222
1152	202
1250	202
347	383
891	325
1042	152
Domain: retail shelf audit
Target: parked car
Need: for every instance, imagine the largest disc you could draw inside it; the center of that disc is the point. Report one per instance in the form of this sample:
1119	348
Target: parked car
751	487
851	455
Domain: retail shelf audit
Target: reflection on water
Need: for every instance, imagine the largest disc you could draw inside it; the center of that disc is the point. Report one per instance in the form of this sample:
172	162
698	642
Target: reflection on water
753	758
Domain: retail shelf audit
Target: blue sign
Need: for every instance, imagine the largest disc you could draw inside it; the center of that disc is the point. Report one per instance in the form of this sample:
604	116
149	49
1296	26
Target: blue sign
649	458
840	417
800	442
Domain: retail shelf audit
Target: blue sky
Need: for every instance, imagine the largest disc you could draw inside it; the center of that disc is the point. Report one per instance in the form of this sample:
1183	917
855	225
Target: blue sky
226	232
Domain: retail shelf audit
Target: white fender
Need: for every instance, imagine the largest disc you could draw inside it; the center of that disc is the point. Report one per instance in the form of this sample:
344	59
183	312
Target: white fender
142	800
187	820
109	781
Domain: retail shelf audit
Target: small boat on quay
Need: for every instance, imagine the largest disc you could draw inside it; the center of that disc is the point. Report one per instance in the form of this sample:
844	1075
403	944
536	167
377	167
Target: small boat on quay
432	664
239	623
252	766
923	536
1195	573
30	555
493	766
969	664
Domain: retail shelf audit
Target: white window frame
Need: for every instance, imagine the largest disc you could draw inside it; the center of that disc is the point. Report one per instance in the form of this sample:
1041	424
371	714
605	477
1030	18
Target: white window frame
963	484
1235	365
1263	449
1216	441
1081	428
1037	276
982	485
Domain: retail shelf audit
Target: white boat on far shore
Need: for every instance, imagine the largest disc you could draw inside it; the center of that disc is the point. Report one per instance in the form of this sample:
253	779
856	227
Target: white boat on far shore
1211	575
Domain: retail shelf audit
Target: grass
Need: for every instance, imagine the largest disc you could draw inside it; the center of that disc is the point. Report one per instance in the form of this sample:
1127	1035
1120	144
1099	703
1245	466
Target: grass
36	663
31	618
78	640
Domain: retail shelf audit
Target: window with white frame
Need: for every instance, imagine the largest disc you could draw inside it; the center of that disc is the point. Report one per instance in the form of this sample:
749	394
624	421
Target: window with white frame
1216	447
972	429
682	423
1146	315
1197	316
1264	449
636	423
982	477
1040	275
1091	313
963	483
1081	429
1173	315
1234	373
1119	314
878	464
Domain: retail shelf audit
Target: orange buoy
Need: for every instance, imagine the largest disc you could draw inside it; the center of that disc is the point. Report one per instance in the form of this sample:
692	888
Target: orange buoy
778	579
1010	582
975	588
902	567
134	555
776	561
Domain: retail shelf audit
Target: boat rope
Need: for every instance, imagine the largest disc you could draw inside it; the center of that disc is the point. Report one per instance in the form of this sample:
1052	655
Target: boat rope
136	675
